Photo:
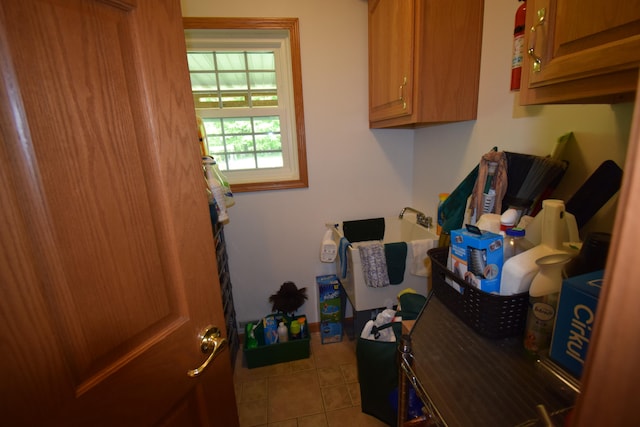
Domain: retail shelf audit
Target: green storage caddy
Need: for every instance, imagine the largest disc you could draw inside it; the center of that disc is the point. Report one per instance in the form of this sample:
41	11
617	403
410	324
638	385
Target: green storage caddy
265	355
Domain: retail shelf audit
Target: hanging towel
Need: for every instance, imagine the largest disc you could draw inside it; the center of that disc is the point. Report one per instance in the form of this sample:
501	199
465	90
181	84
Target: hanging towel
396	258
342	251
418	254
363	229
374	264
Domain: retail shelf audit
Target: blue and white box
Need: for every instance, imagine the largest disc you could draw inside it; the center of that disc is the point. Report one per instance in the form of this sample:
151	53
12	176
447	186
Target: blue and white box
476	257
574	321
330	300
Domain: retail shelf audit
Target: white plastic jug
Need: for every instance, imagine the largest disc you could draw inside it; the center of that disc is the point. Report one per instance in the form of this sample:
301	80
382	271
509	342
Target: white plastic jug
555	227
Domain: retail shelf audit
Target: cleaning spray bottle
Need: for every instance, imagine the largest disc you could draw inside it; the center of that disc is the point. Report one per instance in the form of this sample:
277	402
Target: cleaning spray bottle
543	302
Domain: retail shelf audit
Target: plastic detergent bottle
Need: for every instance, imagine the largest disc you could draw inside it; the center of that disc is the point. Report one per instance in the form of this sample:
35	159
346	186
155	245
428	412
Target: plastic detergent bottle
513	242
252	342
295	330
283	333
543	302
519	270
439	218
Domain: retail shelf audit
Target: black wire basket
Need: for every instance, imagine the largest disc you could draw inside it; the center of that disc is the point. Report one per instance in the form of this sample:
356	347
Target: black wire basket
490	315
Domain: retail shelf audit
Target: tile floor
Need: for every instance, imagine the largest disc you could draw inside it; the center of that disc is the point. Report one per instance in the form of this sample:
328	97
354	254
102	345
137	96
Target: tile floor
321	391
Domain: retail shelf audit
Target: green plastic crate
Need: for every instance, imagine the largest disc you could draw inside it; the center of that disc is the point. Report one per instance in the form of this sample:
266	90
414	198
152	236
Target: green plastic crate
265	355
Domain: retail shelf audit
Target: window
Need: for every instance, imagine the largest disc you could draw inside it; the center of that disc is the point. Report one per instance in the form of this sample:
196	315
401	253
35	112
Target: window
246	84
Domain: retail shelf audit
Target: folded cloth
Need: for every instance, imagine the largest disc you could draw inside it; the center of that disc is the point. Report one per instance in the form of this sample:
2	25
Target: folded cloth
374	264
396	258
342	251
362	230
418	254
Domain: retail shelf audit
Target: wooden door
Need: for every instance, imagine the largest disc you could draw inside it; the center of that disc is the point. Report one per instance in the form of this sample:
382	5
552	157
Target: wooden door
391	51
107	262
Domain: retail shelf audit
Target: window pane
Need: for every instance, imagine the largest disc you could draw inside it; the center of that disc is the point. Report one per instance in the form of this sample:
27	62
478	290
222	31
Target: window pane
203	82
264	99
216	145
241	161
233	81
235	100
240	143
201	61
266	124
262	80
269	142
270	160
213	126
261	61
230	61
236	126
221	160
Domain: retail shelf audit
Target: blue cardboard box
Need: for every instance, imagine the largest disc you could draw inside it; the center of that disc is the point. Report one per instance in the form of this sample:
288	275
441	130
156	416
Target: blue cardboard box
330	332
330	306
477	257
574	322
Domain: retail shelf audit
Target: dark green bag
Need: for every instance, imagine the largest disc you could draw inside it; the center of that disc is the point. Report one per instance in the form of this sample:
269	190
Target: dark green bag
378	374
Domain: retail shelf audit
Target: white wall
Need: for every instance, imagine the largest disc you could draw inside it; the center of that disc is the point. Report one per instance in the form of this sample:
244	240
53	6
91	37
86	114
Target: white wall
355	172
445	154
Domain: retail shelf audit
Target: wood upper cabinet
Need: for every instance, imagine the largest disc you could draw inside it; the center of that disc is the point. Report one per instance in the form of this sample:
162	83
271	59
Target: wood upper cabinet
581	51
424	61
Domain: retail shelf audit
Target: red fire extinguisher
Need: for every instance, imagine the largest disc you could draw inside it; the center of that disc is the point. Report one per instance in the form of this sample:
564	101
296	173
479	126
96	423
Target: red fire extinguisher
518	46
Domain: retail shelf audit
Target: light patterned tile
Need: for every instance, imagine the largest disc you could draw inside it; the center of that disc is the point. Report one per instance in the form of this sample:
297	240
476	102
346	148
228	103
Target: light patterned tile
254	390
294	395
299	392
303	364
349	372
252	413
317	420
331	375
354	392
243	373
287	423
354	416
336	397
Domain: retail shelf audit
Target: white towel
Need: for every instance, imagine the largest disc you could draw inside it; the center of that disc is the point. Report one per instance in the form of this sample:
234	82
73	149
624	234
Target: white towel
374	264
418	255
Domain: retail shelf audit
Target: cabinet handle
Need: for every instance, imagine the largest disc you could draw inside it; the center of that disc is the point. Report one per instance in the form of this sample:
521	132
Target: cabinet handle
537	60
401	90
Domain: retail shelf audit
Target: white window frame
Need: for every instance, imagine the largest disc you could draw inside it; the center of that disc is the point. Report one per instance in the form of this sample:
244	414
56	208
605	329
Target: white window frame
280	36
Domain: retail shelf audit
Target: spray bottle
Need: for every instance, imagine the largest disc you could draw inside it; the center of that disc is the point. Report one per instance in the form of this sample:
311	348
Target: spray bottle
543	302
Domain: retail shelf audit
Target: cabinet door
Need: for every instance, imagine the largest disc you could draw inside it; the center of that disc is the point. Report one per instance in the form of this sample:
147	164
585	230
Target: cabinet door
391	48
581	50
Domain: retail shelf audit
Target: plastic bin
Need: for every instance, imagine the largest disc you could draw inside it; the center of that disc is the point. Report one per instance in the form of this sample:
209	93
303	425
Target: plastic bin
271	354
490	315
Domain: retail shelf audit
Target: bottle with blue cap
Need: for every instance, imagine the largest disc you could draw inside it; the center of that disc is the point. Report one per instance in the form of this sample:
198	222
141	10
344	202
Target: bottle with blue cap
513	242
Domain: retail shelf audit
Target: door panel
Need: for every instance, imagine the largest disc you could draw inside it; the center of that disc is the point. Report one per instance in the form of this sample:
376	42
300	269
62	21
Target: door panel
108	266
